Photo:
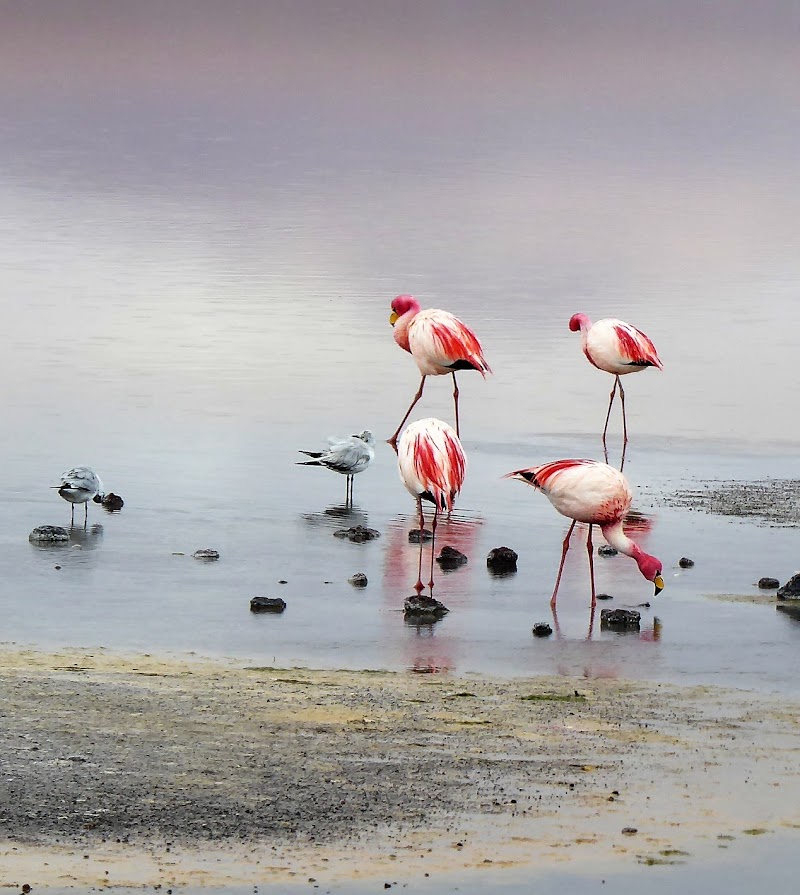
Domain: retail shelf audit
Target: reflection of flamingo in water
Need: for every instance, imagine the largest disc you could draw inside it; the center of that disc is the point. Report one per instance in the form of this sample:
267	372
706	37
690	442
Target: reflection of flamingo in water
618	348
592	492
440	344
432	466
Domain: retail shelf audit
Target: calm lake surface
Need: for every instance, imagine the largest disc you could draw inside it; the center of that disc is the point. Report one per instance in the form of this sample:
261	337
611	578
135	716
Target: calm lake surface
206	211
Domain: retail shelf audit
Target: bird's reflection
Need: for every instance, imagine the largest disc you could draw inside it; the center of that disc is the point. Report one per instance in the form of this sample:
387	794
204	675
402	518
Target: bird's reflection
86	538
336	515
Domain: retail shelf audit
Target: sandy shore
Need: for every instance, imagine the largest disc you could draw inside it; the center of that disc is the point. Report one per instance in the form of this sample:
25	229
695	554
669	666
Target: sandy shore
158	771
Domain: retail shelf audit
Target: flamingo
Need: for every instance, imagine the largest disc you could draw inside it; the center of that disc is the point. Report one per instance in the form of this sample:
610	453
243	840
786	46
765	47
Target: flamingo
593	492
347	456
440	344
432	466
80	485
618	348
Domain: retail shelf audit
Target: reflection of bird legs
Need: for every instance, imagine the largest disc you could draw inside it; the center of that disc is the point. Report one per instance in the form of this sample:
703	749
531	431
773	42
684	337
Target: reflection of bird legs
557	627
433	545
419	587
393	440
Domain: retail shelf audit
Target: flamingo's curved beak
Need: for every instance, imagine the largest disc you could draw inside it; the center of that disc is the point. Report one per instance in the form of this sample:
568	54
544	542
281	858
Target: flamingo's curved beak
659	583
394	317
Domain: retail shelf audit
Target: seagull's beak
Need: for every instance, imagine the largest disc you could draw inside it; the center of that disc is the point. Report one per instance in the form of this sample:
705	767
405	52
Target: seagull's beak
394	317
659	583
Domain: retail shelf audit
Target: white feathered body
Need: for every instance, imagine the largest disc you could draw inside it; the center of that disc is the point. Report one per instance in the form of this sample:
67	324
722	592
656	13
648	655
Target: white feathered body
80	484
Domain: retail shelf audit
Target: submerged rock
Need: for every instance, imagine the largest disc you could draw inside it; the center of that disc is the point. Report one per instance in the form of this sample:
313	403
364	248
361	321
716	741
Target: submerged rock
502	561
685	563
112	502
357	534
207	554
603	597
49	534
422	610
417	535
358	580
450	558
542	629
790	590
267	604
620	619
768	583
607	550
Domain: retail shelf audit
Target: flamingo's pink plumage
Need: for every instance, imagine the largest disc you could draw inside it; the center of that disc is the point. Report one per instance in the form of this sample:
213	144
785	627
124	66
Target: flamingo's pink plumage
439	342
432	466
597	494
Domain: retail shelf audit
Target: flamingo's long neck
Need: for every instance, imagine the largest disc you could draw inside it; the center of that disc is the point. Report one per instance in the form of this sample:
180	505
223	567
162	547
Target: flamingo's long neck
401	325
615	536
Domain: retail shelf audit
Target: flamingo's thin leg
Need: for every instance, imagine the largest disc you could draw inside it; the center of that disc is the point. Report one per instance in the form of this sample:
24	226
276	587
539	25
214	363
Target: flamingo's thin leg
393	439
608	415
433	544
591	564
564	549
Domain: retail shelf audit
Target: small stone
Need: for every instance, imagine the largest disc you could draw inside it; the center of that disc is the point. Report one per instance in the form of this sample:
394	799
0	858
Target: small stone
49	534
267	604
629	831
768	583
603	597
607	550
112	502
283	581
542	629
502	561
357	534
685	563
358	580
450	558
419	534
206	553
57	567
790	590
422	610
620	619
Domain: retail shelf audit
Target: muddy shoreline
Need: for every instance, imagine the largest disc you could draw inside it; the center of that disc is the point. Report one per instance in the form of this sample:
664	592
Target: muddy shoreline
165	770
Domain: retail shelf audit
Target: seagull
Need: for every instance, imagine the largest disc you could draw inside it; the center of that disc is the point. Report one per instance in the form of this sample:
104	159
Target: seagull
347	456
80	485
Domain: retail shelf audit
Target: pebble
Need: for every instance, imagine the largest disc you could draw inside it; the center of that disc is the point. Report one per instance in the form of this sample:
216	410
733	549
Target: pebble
607	550
685	563
502	560
620	619
49	534
267	604
450	558
603	597
206	553
542	629
790	590
419	534
768	583
420	610
358	580
357	534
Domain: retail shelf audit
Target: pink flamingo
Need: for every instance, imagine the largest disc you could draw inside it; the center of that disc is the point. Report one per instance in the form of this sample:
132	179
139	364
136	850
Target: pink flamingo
432	466
596	493
440	344
618	348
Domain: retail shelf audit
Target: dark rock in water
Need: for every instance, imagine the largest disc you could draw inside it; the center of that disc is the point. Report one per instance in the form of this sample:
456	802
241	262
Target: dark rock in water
607	550
603	597
112	502
502	561
357	534
207	554
620	619
267	604
768	583
49	534
685	563
790	590
450	558
542	629
358	580
422	610
419	534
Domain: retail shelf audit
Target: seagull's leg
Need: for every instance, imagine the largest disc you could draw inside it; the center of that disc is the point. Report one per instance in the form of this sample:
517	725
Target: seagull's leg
591	564
72	516
393	440
418	587
433	544
455	401
608	415
86	514
564	549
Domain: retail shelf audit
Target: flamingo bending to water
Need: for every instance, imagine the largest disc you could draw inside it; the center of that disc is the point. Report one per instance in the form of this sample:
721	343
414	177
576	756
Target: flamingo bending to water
440	344
618	348
432	466
593	492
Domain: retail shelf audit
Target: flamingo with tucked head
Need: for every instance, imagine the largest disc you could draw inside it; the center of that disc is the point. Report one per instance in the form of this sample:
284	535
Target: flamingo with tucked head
432	466
596	493
440	344
618	348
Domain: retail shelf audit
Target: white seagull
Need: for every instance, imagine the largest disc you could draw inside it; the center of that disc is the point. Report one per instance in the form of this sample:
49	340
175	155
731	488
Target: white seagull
347	456
80	485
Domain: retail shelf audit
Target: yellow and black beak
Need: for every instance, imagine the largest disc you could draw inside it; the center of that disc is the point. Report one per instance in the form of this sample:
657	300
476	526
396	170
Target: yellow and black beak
659	583
394	317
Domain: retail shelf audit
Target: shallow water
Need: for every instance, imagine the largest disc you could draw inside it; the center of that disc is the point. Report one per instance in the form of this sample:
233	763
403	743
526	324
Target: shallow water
206	217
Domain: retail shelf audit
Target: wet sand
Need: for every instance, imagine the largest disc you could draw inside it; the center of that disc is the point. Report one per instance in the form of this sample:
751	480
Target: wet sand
133	771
